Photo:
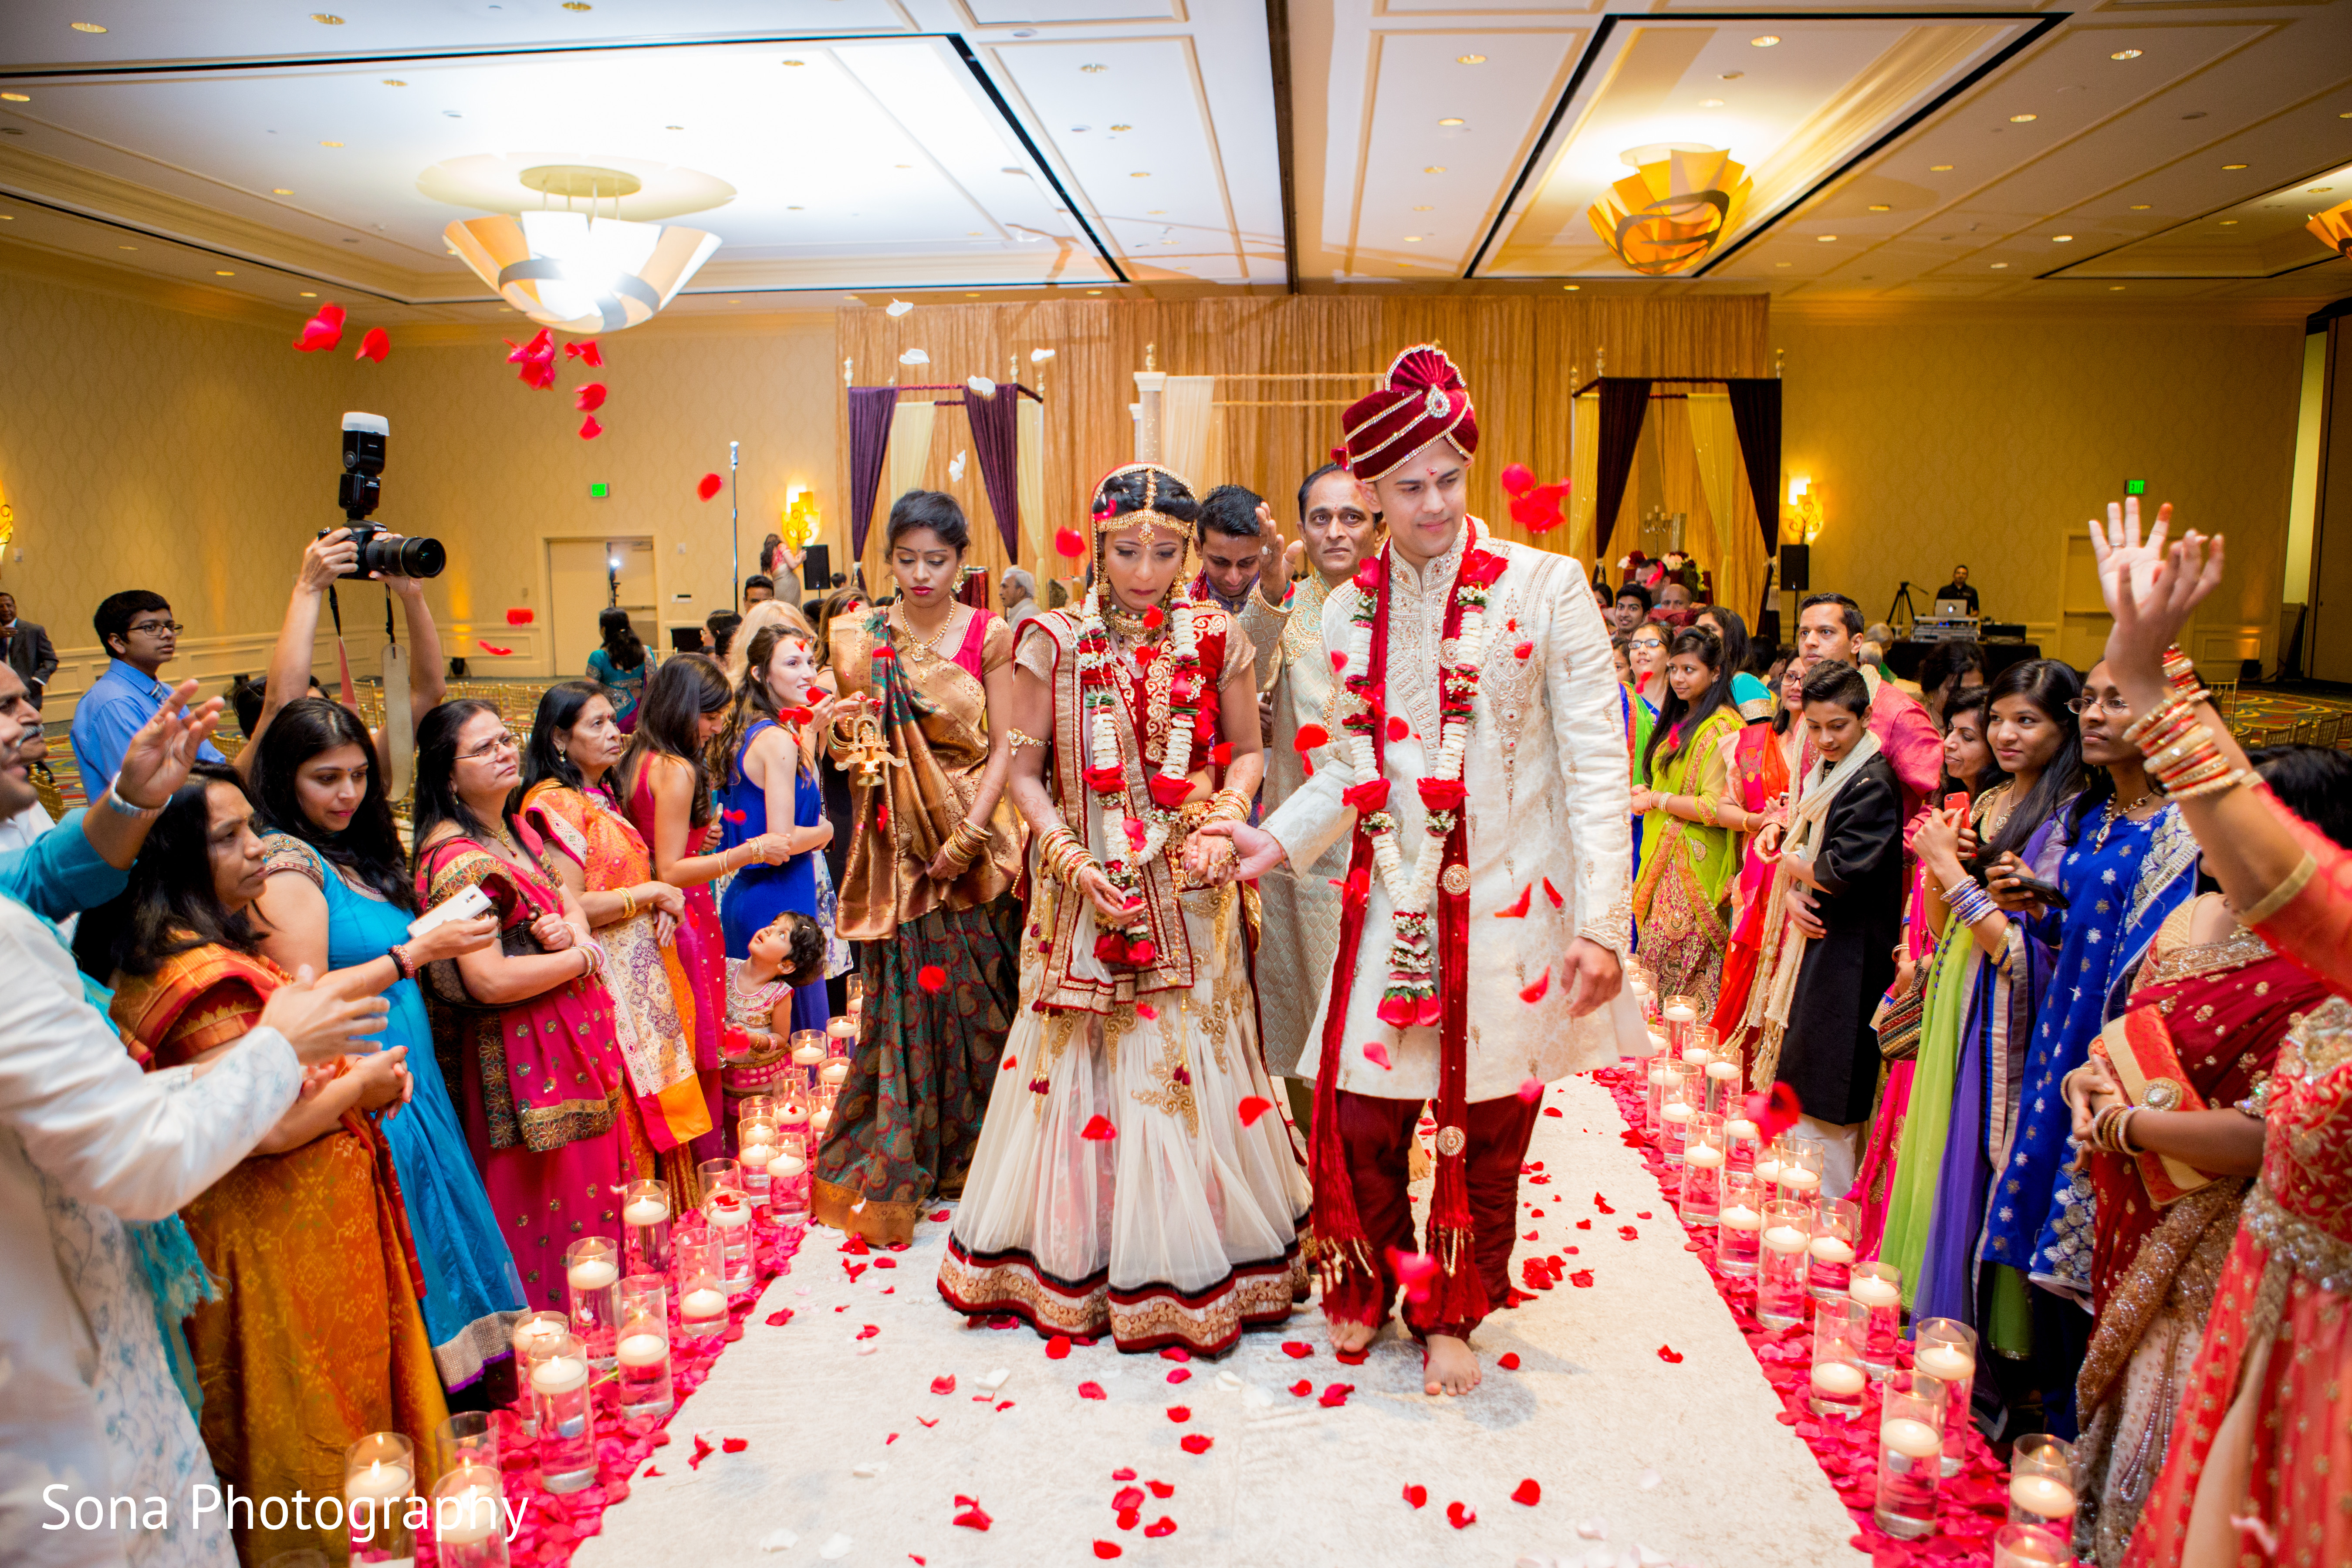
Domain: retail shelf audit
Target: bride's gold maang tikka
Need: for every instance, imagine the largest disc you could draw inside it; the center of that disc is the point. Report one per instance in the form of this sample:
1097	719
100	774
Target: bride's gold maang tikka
1148	518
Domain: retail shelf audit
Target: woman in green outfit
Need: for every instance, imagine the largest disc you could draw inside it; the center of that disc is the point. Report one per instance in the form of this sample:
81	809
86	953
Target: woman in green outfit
1687	862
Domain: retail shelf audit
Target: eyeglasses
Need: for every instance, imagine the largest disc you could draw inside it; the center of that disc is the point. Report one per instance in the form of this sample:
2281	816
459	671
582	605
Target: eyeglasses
503	742
1645	642
156	628
2115	705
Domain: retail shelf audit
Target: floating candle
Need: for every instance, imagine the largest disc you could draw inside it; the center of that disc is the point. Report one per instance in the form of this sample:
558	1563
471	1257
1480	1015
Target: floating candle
1696	1056
1832	1250
785	1167
558	1375
1912	1439
820	1119
1740	1127
645	1211
466	1517
593	1274
807	1056
1705	1156
1837	1380
1948	1361
1768	1169
1719	1069
834	1072
1682	1013
380	1482
791	1113
1674	1111
1796	1178
643	1350
1739	1216
2044	1497
1785	1238
755	1156
1872	1290
702	1302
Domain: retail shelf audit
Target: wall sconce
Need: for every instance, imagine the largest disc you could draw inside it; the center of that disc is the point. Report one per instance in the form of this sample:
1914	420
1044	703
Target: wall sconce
1804	509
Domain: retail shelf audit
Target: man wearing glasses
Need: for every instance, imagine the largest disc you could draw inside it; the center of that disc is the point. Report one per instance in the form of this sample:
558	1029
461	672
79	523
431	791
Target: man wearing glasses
136	626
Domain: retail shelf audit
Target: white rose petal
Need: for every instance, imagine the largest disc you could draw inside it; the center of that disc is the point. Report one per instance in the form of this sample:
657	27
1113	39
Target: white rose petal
994	1380
1593	1528
777	1540
1228	1381
1650	1559
868	1470
864	1347
835	1549
1256	1398
897	308
1648	1481
913	356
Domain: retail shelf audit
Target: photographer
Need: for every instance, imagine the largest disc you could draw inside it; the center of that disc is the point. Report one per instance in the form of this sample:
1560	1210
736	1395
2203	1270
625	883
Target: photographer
324	560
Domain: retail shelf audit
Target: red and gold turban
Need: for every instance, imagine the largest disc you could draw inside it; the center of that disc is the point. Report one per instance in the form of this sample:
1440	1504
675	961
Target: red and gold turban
1424	399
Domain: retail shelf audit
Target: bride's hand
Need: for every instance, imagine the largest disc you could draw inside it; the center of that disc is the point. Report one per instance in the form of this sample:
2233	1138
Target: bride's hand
1109	901
1259	850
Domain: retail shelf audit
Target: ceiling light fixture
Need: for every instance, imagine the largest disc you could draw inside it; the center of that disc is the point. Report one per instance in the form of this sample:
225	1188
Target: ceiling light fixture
394	81
796	62
1434	169
2061	238
1094	70
1939	168
126	247
1882	207
1426	209
1765	40
219	273
329	143
2023	119
2140	206
1141	174
1667	214
2114	288
1450	121
1572	288
1470	59
281	191
583	6
2233	165
14	97
88	27
1710	103
2124	54
2334	228
583	274
326	18
1123	128
2228	223
309	293
1731	76
1999	265
1779	264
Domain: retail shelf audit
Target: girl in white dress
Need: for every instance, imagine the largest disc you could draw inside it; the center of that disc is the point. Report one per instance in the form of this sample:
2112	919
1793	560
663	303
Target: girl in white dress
1134	1175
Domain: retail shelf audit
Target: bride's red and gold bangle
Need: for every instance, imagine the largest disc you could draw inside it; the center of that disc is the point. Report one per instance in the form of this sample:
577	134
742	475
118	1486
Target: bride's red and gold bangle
1062	854
1228	806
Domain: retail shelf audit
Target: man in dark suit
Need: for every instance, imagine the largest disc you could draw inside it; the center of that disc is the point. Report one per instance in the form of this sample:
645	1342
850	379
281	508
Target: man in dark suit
27	649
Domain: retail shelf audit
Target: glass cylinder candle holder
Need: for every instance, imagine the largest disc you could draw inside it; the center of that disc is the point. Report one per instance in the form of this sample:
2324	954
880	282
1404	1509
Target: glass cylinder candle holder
759	1107
1743	1141
1679	1013
468	1438
2030	1546
560	1381
1780	1265
1723	1085
1836	1222
379	1476
531	1331
644	1228
1879	1287
643	1348
755	1149
1656	1068
727	1212
1910	1454
701	1282
1946	1349
592	1268
841	1034
821	1112
1741	1223
1702	1195
1682	1100
1799	1171
1839	1380
788	1177
808	1048
852	993
469	1521
2041	1483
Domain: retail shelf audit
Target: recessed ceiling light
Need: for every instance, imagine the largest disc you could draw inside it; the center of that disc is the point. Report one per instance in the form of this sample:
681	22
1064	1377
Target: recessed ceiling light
1882	207
1155	211
2124	54
1094	70
281	191
14	97
2061	239
1939	168
2114	288
583	6
2314	189
1826	238
126	247
1779	264
1999	265
2023	119
2233	165
1409	240
1434	169
329	143
309	293
1094	290
2228	223
673	127
221	273
1425	209
326	18
1450	121
394	81
88	27
1765	40
1572	288
793	209
902	166
1470	59
796	62
1710	103
1140	174
2140	206
1123	128
1731	76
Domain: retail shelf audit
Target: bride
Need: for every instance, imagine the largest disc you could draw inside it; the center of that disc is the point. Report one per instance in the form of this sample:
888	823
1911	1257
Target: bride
1131	1175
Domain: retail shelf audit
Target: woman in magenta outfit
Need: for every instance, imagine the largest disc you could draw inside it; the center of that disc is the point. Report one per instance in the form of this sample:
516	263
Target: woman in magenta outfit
666	790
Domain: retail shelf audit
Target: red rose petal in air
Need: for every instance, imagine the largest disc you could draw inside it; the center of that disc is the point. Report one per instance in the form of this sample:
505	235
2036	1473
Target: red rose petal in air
1529	1493
1459	1517
1197	1443
375	345
1070	543
521	617
1091	1391
1338	660
1518	912
1417	1496
1774	1110
733	1445
493	648
1010	1063
1296	1351
1377	1054
1535	993
590	429
1532	1089
1222	753
1107	1549
1154	619
1508	1361
1097	1130
1146	1012
586	353
589	397
1159	1527
1256	1106
708	484
1551	892
1398	728
943	1384
1179	1413
1518	479
1668	1354
1308	737
1523	651
930	977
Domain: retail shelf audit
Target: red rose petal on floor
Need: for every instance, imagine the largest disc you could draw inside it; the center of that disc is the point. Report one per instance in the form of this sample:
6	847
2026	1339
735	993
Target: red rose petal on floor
1535	993
973	1518
1336	1395
1529	1493
708	484
1175	1352
1668	1354
1581	1278
1197	1443
1127	1498
869	1332
1629	1233
1303	1387
1159	1527
1091	1391
1058	1348
1530	1235
1532	1089
1097	1130
930	977
651	1471
1296	1351
943	1384
1642	1214
1459	1517
778	1319
1584	1224
942	1214
1179	1413
1162	1488
1351	1358
1107	1549
733	1445
1180	1374
1601	1204
1128	1517
1254	1106
1417	1496
1508	1361
1551	1111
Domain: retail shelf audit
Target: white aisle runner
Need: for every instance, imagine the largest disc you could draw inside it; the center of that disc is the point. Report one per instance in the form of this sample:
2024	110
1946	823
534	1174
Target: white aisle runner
1677	1462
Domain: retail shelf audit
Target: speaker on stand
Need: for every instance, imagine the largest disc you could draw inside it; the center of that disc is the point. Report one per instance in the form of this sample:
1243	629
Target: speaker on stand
1796	577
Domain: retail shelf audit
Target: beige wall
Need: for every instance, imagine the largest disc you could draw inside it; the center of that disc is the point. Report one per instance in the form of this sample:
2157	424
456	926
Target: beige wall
1992	443
144	446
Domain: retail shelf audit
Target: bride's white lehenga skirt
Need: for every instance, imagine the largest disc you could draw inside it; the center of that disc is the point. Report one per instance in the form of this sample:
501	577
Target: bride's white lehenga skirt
1182	1228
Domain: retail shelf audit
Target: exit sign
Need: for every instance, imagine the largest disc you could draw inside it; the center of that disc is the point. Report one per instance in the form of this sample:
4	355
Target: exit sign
2131	486
600	489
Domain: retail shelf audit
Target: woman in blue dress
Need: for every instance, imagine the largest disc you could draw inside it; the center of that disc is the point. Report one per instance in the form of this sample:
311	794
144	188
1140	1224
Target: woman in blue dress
620	667
2126	862
771	779
338	897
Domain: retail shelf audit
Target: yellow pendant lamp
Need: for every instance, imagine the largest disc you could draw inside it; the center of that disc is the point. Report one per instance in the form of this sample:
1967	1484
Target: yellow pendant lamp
1668	214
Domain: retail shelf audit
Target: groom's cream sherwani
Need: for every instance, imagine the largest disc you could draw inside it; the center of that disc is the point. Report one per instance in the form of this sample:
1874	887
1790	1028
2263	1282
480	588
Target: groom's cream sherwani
1547	803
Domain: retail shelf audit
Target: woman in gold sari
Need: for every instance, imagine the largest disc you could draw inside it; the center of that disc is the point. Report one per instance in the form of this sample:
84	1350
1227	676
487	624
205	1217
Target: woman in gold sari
316	1338
576	740
933	857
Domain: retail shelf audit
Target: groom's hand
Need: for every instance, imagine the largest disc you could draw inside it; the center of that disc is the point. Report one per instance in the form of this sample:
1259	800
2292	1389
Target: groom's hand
1260	851
1594	975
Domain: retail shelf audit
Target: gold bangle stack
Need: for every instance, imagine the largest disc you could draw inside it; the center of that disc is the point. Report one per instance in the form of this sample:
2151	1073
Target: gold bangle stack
2110	1131
2183	756
629	904
2179	669
1064	855
964	845
1228	806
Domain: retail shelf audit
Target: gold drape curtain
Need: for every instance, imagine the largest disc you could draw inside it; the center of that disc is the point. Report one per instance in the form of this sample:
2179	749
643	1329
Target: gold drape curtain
924	441
1737	553
1522	356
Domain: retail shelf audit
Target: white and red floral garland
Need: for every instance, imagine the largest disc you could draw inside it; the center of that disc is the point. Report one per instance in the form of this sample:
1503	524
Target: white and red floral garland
1409	996
1113	773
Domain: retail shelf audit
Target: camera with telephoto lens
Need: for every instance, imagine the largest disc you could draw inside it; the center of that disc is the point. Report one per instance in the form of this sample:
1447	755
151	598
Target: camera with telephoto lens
361	488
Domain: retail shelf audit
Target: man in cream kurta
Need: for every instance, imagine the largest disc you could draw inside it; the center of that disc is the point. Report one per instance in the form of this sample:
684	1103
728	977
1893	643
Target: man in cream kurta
1546	812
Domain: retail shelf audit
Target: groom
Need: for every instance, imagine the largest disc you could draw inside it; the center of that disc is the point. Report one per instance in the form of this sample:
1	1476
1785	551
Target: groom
1479	773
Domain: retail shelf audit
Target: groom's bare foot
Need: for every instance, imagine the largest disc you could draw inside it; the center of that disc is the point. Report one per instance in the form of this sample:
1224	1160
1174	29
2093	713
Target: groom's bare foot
1349	1338
1452	1366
